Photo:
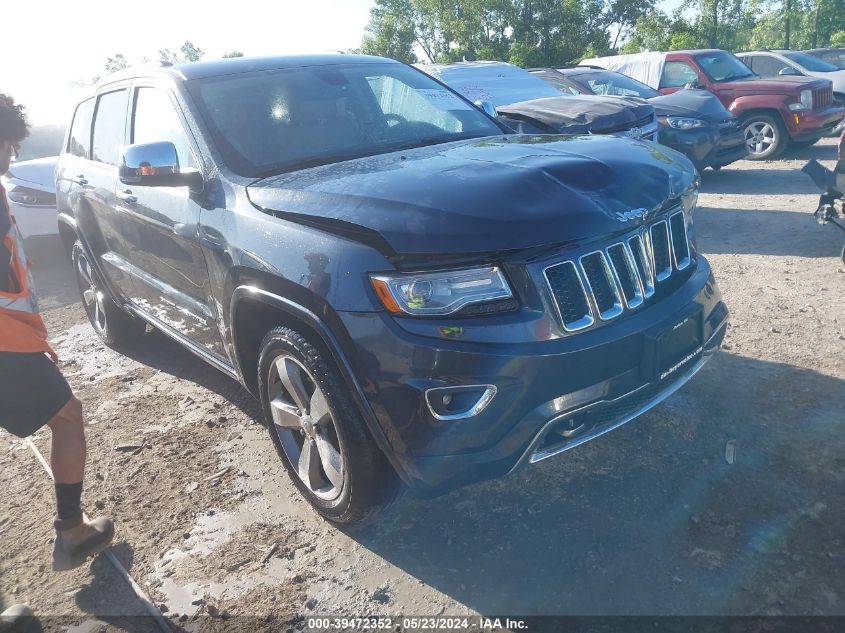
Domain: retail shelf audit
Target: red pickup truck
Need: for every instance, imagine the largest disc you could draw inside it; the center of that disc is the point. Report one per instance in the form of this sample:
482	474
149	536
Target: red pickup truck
774	111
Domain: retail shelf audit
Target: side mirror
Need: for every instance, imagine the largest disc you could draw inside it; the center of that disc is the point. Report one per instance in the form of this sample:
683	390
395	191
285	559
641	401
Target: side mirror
488	108
789	70
694	84
155	165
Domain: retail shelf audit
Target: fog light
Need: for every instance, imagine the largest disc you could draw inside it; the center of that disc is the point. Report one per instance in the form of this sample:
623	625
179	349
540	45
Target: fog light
458	403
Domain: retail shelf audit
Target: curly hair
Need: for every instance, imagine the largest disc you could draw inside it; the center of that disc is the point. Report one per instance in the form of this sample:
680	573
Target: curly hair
14	124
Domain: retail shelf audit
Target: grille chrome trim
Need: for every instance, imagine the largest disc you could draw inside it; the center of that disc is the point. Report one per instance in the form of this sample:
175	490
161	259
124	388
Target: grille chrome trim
679	244
638	249
602	284
637	299
585	321
663	227
609	276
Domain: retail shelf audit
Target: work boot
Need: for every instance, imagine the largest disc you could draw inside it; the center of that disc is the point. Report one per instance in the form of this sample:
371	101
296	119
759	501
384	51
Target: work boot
78	539
17	619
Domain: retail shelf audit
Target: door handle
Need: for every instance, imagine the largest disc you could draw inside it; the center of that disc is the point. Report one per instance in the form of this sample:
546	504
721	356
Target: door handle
127	197
80	180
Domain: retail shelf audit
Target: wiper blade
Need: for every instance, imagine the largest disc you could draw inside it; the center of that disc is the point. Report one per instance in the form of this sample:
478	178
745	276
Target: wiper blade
432	140
736	76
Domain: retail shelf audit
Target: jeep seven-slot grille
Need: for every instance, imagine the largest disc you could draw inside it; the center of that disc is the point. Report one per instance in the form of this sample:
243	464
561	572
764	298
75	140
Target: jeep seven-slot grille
822	97
603	283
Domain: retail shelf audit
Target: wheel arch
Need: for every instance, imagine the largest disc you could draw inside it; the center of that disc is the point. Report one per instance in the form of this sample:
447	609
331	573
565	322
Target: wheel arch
254	311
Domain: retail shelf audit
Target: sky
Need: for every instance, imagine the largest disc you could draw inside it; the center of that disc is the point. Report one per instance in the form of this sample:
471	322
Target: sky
52	44
72	40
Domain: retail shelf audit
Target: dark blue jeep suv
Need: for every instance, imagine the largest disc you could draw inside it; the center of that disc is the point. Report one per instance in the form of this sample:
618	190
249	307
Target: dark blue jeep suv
412	292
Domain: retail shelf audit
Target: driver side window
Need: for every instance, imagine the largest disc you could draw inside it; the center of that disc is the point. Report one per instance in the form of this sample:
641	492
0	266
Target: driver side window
677	75
156	120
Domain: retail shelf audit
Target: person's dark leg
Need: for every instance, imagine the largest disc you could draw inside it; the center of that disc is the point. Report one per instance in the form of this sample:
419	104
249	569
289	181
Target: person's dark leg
76	538
67	457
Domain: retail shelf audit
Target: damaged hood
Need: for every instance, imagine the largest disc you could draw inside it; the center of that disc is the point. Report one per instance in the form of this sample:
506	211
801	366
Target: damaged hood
699	104
482	195
582	114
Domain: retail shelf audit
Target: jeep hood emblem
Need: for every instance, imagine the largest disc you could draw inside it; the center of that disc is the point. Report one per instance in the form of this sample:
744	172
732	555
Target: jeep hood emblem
632	215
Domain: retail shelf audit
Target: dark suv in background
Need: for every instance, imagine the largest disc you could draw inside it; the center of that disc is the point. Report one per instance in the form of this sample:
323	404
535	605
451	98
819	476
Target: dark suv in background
408	289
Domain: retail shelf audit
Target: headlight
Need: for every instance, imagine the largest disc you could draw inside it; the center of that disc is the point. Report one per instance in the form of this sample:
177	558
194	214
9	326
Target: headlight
32	197
440	293
682	123
806	102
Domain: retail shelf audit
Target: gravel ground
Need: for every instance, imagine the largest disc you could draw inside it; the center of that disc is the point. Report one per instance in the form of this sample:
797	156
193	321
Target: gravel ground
650	519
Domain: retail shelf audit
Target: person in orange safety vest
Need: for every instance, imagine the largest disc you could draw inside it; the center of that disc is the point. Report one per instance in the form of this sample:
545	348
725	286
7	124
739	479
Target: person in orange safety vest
33	392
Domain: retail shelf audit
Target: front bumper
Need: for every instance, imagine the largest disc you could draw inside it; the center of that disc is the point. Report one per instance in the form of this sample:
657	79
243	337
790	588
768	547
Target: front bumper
706	147
815	124
551	395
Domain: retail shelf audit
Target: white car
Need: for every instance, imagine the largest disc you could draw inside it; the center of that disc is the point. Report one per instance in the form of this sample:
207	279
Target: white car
31	191
782	62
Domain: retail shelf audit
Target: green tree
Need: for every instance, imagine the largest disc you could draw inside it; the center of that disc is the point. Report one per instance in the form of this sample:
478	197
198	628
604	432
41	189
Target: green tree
118	62
390	32
232	54
623	16
659	31
188	52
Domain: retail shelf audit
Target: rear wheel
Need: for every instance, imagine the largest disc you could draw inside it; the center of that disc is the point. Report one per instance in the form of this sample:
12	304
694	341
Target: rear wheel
109	321
764	136
318	432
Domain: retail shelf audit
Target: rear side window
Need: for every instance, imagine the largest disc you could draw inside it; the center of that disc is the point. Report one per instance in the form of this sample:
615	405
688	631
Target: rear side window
156	120
110	126
79	143
677	75
766	66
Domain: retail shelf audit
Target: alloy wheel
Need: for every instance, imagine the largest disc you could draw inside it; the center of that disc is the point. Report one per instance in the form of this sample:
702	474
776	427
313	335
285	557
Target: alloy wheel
93	298
759	137
305	427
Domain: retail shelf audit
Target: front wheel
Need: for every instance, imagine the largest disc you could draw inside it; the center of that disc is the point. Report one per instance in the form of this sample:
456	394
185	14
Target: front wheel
318	432
110	321
764	137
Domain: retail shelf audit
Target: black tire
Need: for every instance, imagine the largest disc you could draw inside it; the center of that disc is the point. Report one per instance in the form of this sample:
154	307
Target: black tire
111	323
369	483
771	137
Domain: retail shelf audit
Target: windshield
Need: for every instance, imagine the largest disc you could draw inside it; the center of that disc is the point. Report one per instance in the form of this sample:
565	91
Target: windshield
810	63
500	84
267	123
617	85
835	56
558	81
722	66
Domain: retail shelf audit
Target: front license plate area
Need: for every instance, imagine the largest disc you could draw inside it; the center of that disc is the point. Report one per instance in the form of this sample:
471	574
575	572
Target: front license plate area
673	350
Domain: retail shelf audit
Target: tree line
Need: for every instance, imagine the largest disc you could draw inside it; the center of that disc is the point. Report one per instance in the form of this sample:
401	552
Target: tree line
187	52
559	32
